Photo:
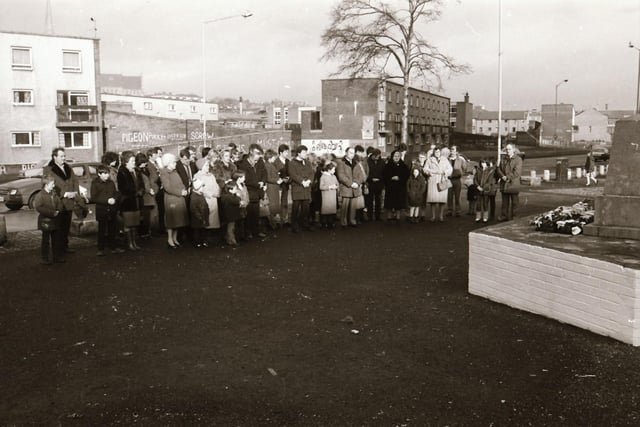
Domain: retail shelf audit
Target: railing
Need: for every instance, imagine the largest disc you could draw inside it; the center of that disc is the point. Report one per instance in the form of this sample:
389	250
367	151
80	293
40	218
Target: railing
77	115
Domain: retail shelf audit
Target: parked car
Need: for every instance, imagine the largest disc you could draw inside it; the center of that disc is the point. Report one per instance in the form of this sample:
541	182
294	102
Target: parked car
600	154
22	192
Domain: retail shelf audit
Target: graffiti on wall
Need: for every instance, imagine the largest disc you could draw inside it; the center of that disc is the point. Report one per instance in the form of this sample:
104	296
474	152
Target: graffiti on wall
143	137
324	146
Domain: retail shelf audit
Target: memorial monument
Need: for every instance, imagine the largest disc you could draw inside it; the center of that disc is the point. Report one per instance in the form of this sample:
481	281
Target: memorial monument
592	280
617	211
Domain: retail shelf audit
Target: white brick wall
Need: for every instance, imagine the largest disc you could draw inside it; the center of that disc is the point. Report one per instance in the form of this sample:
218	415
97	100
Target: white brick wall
600	296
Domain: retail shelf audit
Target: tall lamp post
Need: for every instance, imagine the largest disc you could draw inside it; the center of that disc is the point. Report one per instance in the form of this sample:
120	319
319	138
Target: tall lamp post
555	109
631	45
204	69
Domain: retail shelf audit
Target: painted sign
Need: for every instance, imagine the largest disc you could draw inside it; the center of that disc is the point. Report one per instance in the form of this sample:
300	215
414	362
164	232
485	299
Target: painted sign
134	137
367	127
324	146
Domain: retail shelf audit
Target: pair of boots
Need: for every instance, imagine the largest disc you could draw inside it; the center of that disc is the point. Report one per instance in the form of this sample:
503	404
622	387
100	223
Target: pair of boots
131	240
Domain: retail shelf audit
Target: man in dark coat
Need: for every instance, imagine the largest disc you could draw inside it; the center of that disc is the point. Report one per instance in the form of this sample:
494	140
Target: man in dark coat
282	166
66	186
349	188
186	169
375	183
255	180
301	174
508	173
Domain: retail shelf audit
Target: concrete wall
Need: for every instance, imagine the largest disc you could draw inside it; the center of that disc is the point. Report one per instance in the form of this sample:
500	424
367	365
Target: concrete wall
127	131
600	296
593	126
167	108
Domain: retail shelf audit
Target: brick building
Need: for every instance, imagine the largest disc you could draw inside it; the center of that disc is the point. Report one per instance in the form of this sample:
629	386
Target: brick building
368	111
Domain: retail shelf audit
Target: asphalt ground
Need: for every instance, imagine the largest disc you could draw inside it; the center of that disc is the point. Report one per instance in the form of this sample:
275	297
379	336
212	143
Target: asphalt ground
366	326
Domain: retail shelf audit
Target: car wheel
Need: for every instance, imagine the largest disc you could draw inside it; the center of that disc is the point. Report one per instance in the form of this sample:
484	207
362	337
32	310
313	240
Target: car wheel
32	199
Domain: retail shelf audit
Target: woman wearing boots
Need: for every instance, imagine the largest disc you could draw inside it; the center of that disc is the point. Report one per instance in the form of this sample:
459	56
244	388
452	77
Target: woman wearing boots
131	189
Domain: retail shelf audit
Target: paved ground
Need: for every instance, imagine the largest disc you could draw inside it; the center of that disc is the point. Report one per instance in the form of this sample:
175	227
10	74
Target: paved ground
368	326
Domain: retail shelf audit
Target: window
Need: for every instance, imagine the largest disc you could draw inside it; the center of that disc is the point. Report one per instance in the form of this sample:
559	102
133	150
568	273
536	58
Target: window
276	116
411	100
389	97
148	106
172	107
25	139
397	97
212	110
66	97
193	109
22	97
513	129
71	61
21	58
74	140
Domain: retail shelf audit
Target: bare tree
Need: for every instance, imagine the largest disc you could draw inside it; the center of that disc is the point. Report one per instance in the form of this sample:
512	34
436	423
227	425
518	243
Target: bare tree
375	37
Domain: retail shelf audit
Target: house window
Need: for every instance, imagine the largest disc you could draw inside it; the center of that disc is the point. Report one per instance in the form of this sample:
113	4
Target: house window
513	129
25	139
276	116
480	129
411	100
194	109
148	106
71	61
212	110
397	97
21	58
74	140
172	107
389	97
22	97
66	97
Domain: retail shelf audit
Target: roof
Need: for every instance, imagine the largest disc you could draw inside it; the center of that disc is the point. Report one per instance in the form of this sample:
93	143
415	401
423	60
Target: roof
506	115
62	36
617	114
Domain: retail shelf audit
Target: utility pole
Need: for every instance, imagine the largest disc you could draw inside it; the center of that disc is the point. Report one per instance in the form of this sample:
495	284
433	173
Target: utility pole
48	19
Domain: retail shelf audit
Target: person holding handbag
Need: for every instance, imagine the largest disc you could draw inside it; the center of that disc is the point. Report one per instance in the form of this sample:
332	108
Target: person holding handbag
438	169
49	206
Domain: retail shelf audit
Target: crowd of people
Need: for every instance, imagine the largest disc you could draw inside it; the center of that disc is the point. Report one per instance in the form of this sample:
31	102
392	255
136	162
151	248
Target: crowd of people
235	196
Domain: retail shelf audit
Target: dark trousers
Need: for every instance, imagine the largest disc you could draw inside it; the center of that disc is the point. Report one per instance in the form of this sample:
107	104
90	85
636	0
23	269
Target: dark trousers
64	218
107	233
300	214
453	197
160	204
199	236
492	206
373	202
51	242
509	205
253	217
284	203
145	221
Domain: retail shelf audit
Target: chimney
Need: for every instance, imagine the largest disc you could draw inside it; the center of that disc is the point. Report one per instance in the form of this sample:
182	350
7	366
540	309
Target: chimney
606	107
466	98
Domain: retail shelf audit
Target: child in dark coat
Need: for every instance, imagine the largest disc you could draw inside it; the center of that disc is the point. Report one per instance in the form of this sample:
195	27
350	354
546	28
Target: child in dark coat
49	205
416	190
231	211
105	196
199	214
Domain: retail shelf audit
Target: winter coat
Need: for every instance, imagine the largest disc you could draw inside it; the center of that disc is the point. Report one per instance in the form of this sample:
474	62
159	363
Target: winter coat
299	172
66	182
101	192
223	172
254	173
46	204
198	211
376	171
486	179
175	205
131	189
230	204
211	193
416	189
437	169
395	190
511	168
345	175
329	195
273	188
184	174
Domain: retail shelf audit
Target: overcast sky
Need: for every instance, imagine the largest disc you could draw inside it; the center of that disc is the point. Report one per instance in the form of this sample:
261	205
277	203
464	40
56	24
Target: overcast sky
276	53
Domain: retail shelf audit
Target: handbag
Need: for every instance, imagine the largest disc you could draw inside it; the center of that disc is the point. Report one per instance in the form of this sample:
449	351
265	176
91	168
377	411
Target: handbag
358	202
46	223
444	184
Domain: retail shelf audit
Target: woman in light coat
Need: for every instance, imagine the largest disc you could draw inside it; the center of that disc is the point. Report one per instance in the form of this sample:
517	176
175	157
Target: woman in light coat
175	212
211	192
438	169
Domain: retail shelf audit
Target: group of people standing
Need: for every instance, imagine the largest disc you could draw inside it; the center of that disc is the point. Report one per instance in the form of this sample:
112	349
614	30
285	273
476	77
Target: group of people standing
245	195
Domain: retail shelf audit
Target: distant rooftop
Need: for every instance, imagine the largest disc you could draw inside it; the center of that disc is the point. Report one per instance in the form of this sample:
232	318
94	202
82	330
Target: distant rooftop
493	115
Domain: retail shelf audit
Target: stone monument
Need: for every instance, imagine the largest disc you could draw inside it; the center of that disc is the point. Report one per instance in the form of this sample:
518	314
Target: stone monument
617	211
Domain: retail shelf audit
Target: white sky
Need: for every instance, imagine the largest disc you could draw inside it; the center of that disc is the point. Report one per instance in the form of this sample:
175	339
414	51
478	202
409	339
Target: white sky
275	53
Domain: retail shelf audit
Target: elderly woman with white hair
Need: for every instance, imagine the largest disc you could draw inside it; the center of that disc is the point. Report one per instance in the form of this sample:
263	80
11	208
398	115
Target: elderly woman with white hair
175	213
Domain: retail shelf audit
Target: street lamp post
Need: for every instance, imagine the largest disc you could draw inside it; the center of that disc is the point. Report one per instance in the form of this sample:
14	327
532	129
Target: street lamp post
204	69
555	108
631	45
